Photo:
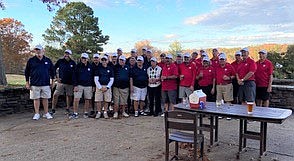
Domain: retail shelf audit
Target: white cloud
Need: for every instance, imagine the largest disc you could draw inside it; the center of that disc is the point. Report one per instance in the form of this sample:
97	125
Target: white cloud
170	36
232	12
108	3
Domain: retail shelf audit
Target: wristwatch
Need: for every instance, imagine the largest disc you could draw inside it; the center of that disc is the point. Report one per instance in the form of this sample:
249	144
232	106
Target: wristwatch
242	80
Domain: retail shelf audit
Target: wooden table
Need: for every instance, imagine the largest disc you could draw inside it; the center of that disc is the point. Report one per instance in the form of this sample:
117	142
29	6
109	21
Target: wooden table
263	115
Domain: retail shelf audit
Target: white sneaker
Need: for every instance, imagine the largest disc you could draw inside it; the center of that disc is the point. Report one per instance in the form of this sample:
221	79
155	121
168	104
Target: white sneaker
125	114
162	114
98	115
48	116
136	113
105	115
115	115
110	108
36	116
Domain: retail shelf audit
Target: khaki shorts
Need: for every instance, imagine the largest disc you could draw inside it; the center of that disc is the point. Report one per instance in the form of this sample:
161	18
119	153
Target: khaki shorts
37	92
224	92
103	96
86	90
139	94
120	96
61	88
184	92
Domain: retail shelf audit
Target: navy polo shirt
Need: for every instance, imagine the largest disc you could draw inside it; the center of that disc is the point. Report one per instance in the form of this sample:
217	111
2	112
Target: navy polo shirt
38	72
104	74
84	75
140	77
66	70
121	76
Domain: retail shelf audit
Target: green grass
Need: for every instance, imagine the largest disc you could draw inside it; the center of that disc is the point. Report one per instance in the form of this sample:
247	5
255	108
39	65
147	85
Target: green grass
15	80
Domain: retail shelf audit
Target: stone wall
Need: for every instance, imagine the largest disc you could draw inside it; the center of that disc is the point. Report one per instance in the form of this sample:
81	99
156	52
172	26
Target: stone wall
16	100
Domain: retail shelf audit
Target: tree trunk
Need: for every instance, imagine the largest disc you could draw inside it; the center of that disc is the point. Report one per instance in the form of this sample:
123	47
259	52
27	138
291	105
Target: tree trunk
3	80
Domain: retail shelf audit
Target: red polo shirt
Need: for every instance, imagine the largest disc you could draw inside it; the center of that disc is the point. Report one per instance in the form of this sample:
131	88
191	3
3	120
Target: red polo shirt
236	64
245	67
263	72
161	64
169	70
189	72
198	62
208	76
214	62
227	70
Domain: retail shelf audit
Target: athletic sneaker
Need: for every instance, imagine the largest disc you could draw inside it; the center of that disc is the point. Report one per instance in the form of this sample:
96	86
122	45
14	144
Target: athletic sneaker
162	115
110	108
74	116
52	112
36	116
105	115
125	114
67	112
48	115
143	113
136	113
86	115
115	115
228	118
98	115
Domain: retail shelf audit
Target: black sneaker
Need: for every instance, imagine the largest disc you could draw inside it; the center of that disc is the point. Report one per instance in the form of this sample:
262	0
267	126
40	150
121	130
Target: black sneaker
52	112
73	116
67	112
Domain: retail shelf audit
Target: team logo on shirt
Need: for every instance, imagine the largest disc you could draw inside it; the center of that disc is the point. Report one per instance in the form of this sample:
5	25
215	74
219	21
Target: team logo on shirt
126	68
71	66
209	70
226	69
246	64
189	67
168	68
263	65
46	62
108	71
89	69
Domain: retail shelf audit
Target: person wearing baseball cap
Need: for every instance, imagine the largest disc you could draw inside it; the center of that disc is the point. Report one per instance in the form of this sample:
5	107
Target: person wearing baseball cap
235	64
83	85
246	78
263	79
148	56
162	60
138	86
121	86
187	72
144	52
154	88
224	75
39	69
179	59
103	78
66	68
119	52
214	60
206	79
169	83
114	60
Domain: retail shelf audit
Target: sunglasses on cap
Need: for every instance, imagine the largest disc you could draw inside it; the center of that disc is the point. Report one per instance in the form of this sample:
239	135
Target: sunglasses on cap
84	58
103	59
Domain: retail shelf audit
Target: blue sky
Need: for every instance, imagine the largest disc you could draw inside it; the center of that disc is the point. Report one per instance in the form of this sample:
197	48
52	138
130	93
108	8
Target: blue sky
195	24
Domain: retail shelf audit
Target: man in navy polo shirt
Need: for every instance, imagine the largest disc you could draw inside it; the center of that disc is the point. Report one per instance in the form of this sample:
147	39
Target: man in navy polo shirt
121	86
138	85
65	67
83	84
38	71
103	79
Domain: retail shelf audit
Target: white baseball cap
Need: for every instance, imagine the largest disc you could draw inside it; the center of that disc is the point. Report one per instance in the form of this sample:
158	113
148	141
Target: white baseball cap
204	54
206	58
85	55
104	57
144	48
262	51
39	47
134	50
114	54
153	59
169	56
140	58
96	55
222	56
119	49
187	55
238	53
68	51
122	57
244	49
149	51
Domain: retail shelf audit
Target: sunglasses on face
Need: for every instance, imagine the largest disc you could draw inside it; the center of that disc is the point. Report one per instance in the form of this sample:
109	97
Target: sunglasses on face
84	58
103	59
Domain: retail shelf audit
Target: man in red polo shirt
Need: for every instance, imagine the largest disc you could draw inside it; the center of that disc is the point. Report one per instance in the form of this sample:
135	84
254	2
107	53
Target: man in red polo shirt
187	72
264	79
169	83
246	78
235	64
214	60
162	60
224	75
206	79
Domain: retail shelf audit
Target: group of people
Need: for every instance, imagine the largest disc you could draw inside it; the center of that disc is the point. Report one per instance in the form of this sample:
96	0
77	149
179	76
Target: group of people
141	81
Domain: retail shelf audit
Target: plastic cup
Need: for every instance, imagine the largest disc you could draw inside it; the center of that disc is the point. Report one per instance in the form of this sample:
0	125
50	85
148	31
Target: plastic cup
250	107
